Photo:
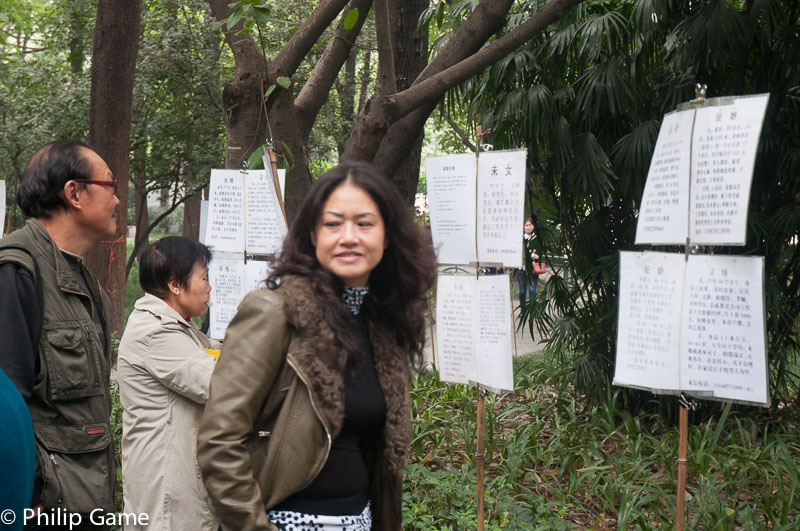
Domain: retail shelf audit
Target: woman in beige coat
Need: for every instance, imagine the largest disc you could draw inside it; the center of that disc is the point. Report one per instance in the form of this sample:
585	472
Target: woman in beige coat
164	371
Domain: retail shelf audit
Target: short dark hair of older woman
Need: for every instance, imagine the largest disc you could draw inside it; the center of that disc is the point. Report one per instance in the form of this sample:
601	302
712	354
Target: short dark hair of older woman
50	168
172	257
398	284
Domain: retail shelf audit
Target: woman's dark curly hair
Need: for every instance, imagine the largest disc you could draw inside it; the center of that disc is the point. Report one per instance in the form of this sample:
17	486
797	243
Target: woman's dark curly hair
398	284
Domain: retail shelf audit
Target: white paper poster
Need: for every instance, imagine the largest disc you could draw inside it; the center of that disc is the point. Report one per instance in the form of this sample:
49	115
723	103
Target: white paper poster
663	215
255	275
451	199
648	335
723	157
473	330
226	228
501	195
493	346
3	207
695	326
203	220
720	144
231	280
227	279
722	334
266	227
455	328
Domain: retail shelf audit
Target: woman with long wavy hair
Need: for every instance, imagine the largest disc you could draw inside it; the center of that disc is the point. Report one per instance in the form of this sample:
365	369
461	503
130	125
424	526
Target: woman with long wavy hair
308	419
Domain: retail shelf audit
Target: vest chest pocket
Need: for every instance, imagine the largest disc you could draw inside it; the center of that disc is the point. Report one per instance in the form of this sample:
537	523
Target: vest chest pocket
72	371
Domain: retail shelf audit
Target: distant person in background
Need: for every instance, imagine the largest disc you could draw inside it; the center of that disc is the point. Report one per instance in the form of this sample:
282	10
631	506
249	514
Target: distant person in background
526	279
309	416
164	370
17	455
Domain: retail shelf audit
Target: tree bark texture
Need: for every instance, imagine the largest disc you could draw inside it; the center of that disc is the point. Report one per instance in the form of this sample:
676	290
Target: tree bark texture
410	53
142	220
191	216
115	46
390	123
315	91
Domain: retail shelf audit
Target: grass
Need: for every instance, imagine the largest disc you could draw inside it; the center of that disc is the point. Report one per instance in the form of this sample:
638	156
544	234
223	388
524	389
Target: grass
554	463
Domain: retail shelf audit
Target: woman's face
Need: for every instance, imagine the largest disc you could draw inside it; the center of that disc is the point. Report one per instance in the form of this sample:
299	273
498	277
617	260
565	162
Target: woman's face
191	300
349	236
528	227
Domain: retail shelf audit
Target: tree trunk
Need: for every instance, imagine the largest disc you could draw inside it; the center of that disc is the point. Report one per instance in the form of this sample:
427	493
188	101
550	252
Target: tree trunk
191	216
410	56
116	44
142	220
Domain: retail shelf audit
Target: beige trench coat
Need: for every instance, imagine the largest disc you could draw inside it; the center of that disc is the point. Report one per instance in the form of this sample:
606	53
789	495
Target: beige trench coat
163	373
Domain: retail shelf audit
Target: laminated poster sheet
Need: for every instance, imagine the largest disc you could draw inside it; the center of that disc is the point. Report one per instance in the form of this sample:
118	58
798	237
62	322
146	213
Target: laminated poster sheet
451	199
698	184
473	330
231	279
501	196
692	326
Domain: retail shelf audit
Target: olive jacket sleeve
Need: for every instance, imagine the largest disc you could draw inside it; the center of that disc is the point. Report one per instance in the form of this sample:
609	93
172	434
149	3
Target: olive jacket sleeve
252	355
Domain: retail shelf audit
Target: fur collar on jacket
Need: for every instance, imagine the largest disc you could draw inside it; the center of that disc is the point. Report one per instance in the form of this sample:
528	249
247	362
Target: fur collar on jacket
313	348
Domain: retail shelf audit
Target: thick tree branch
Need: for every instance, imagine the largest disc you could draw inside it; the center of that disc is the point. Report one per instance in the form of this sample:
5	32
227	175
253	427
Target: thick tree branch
460	133
246	53
365	140
386	82
290	57
314	92
435	86
487	19
475	31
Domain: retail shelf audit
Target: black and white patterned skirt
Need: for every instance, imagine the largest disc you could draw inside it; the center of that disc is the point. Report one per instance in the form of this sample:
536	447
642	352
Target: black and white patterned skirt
294	521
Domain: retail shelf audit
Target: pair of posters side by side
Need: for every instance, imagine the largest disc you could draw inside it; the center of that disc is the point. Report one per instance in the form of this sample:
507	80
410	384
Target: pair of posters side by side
473	330
476	209
695	326
698	184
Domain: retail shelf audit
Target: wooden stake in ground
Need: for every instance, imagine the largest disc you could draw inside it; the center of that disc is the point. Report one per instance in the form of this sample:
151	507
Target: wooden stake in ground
682	467
479	457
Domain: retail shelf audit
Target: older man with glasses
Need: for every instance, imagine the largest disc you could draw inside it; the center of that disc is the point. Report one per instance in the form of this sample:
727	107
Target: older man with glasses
54	321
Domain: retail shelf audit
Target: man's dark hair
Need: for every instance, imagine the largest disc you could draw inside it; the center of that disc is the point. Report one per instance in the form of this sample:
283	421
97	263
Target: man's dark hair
49	169
170	258
399	283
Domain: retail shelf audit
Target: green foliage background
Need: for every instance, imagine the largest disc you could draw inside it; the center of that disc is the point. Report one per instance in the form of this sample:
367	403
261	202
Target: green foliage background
586	99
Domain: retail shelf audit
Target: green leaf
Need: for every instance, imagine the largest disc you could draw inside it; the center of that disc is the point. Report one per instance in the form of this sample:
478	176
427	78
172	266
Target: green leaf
321	43
262	15
283	81
256	162
269	91
235	18
351	19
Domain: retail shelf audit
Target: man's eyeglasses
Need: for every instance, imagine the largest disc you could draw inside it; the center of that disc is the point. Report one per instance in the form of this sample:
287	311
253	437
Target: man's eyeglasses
112	183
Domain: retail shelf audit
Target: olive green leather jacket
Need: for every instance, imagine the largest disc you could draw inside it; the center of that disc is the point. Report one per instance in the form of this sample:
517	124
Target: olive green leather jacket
276	403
